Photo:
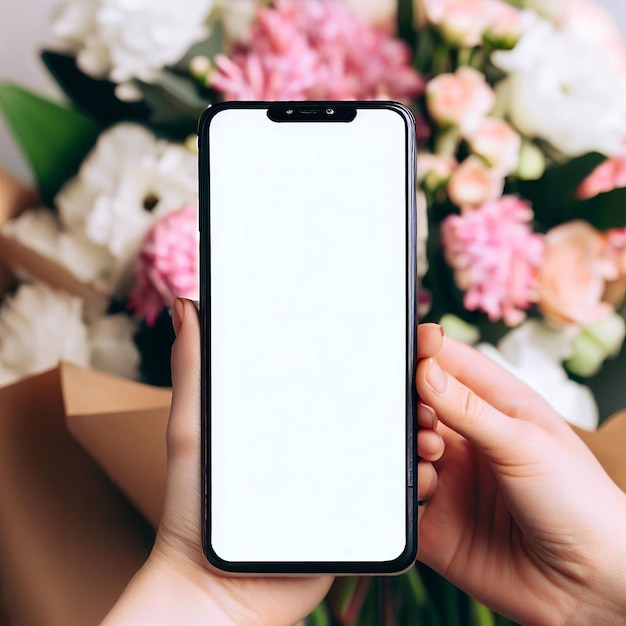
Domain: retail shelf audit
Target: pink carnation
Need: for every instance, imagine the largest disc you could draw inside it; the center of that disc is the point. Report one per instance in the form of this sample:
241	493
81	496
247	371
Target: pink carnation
609	175
167	266
496	256
316	50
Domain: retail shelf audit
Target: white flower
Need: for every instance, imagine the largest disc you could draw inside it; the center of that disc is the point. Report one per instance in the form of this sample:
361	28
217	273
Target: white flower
112	347
128	182
564	89
534	353
40	231
40	327
237	17
126	39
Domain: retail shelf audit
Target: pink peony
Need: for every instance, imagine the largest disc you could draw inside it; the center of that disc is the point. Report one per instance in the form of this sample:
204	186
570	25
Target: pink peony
473	183
609	175
316	50
167	266
462	99
496	256
574	274
497	142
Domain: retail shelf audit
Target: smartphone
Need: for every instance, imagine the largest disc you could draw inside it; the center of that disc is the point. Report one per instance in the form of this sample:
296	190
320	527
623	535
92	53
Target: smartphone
308	266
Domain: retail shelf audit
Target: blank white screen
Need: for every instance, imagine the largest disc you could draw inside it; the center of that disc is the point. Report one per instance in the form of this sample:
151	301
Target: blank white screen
308	338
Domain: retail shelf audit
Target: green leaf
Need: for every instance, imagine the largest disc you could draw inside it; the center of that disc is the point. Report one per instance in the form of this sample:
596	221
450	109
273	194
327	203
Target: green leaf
554	195
319	617
405	21
481	615
606	211
53	138
175	103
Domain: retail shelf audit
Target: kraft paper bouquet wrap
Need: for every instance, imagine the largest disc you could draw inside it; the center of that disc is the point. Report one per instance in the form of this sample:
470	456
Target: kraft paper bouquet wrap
521	111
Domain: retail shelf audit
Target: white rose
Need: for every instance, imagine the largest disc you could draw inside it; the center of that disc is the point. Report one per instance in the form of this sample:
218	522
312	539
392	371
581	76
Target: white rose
563	89
534	353
128	182
39	327
122	40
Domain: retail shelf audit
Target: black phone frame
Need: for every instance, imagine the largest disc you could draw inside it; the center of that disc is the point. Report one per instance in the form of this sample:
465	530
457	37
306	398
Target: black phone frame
343	111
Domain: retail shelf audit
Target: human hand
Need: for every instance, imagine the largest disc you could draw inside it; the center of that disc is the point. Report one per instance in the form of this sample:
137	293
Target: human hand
524	518
176	585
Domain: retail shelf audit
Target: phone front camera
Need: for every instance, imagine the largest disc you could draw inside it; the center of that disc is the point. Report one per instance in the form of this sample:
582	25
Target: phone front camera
330	111
289	111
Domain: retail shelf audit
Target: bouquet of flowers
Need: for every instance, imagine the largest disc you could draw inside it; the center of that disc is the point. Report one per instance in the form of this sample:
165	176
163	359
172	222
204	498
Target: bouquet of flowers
521	110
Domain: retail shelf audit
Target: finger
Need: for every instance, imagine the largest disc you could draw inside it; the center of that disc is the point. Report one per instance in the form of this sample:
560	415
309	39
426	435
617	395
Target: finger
426	416
497	435
183	433
181	512
497	386
426	485
429	340
430	445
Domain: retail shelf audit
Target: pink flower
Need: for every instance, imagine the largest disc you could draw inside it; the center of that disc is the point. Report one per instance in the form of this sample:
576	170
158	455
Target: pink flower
573	277
316	50
609	175
495	255
167	266
497	142
506	25
461	99
473	183
464	22
434	170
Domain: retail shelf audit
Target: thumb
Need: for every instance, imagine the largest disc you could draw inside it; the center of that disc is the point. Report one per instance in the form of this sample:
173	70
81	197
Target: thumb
183	433
499	437
181	512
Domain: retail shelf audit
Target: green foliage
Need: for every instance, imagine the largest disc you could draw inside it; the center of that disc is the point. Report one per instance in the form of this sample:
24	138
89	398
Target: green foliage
53	138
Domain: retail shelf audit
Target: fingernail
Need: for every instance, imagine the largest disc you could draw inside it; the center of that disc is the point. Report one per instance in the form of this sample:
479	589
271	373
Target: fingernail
426	416
436	378
178	314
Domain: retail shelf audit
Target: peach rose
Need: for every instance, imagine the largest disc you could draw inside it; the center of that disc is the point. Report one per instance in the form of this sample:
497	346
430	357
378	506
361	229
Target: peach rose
572	279
461	99
473	183
496	141
461	22
434	170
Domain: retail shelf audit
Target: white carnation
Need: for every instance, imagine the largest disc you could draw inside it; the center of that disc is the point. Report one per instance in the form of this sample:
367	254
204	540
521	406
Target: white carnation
112	346
40	231
534	353
126	39
563	88
39	327
127	183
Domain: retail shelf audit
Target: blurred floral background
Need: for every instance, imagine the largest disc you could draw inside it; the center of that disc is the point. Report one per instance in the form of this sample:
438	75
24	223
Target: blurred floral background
521	111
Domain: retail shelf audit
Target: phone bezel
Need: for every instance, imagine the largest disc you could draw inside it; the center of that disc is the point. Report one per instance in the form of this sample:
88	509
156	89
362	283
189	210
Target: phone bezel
408	556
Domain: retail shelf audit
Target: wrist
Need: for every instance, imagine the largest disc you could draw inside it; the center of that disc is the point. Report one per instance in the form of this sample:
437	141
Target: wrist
160	594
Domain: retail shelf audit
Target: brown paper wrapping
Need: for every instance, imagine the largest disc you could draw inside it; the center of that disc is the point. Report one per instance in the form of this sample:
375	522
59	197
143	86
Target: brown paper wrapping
14	198
122	425
69	542
608	444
